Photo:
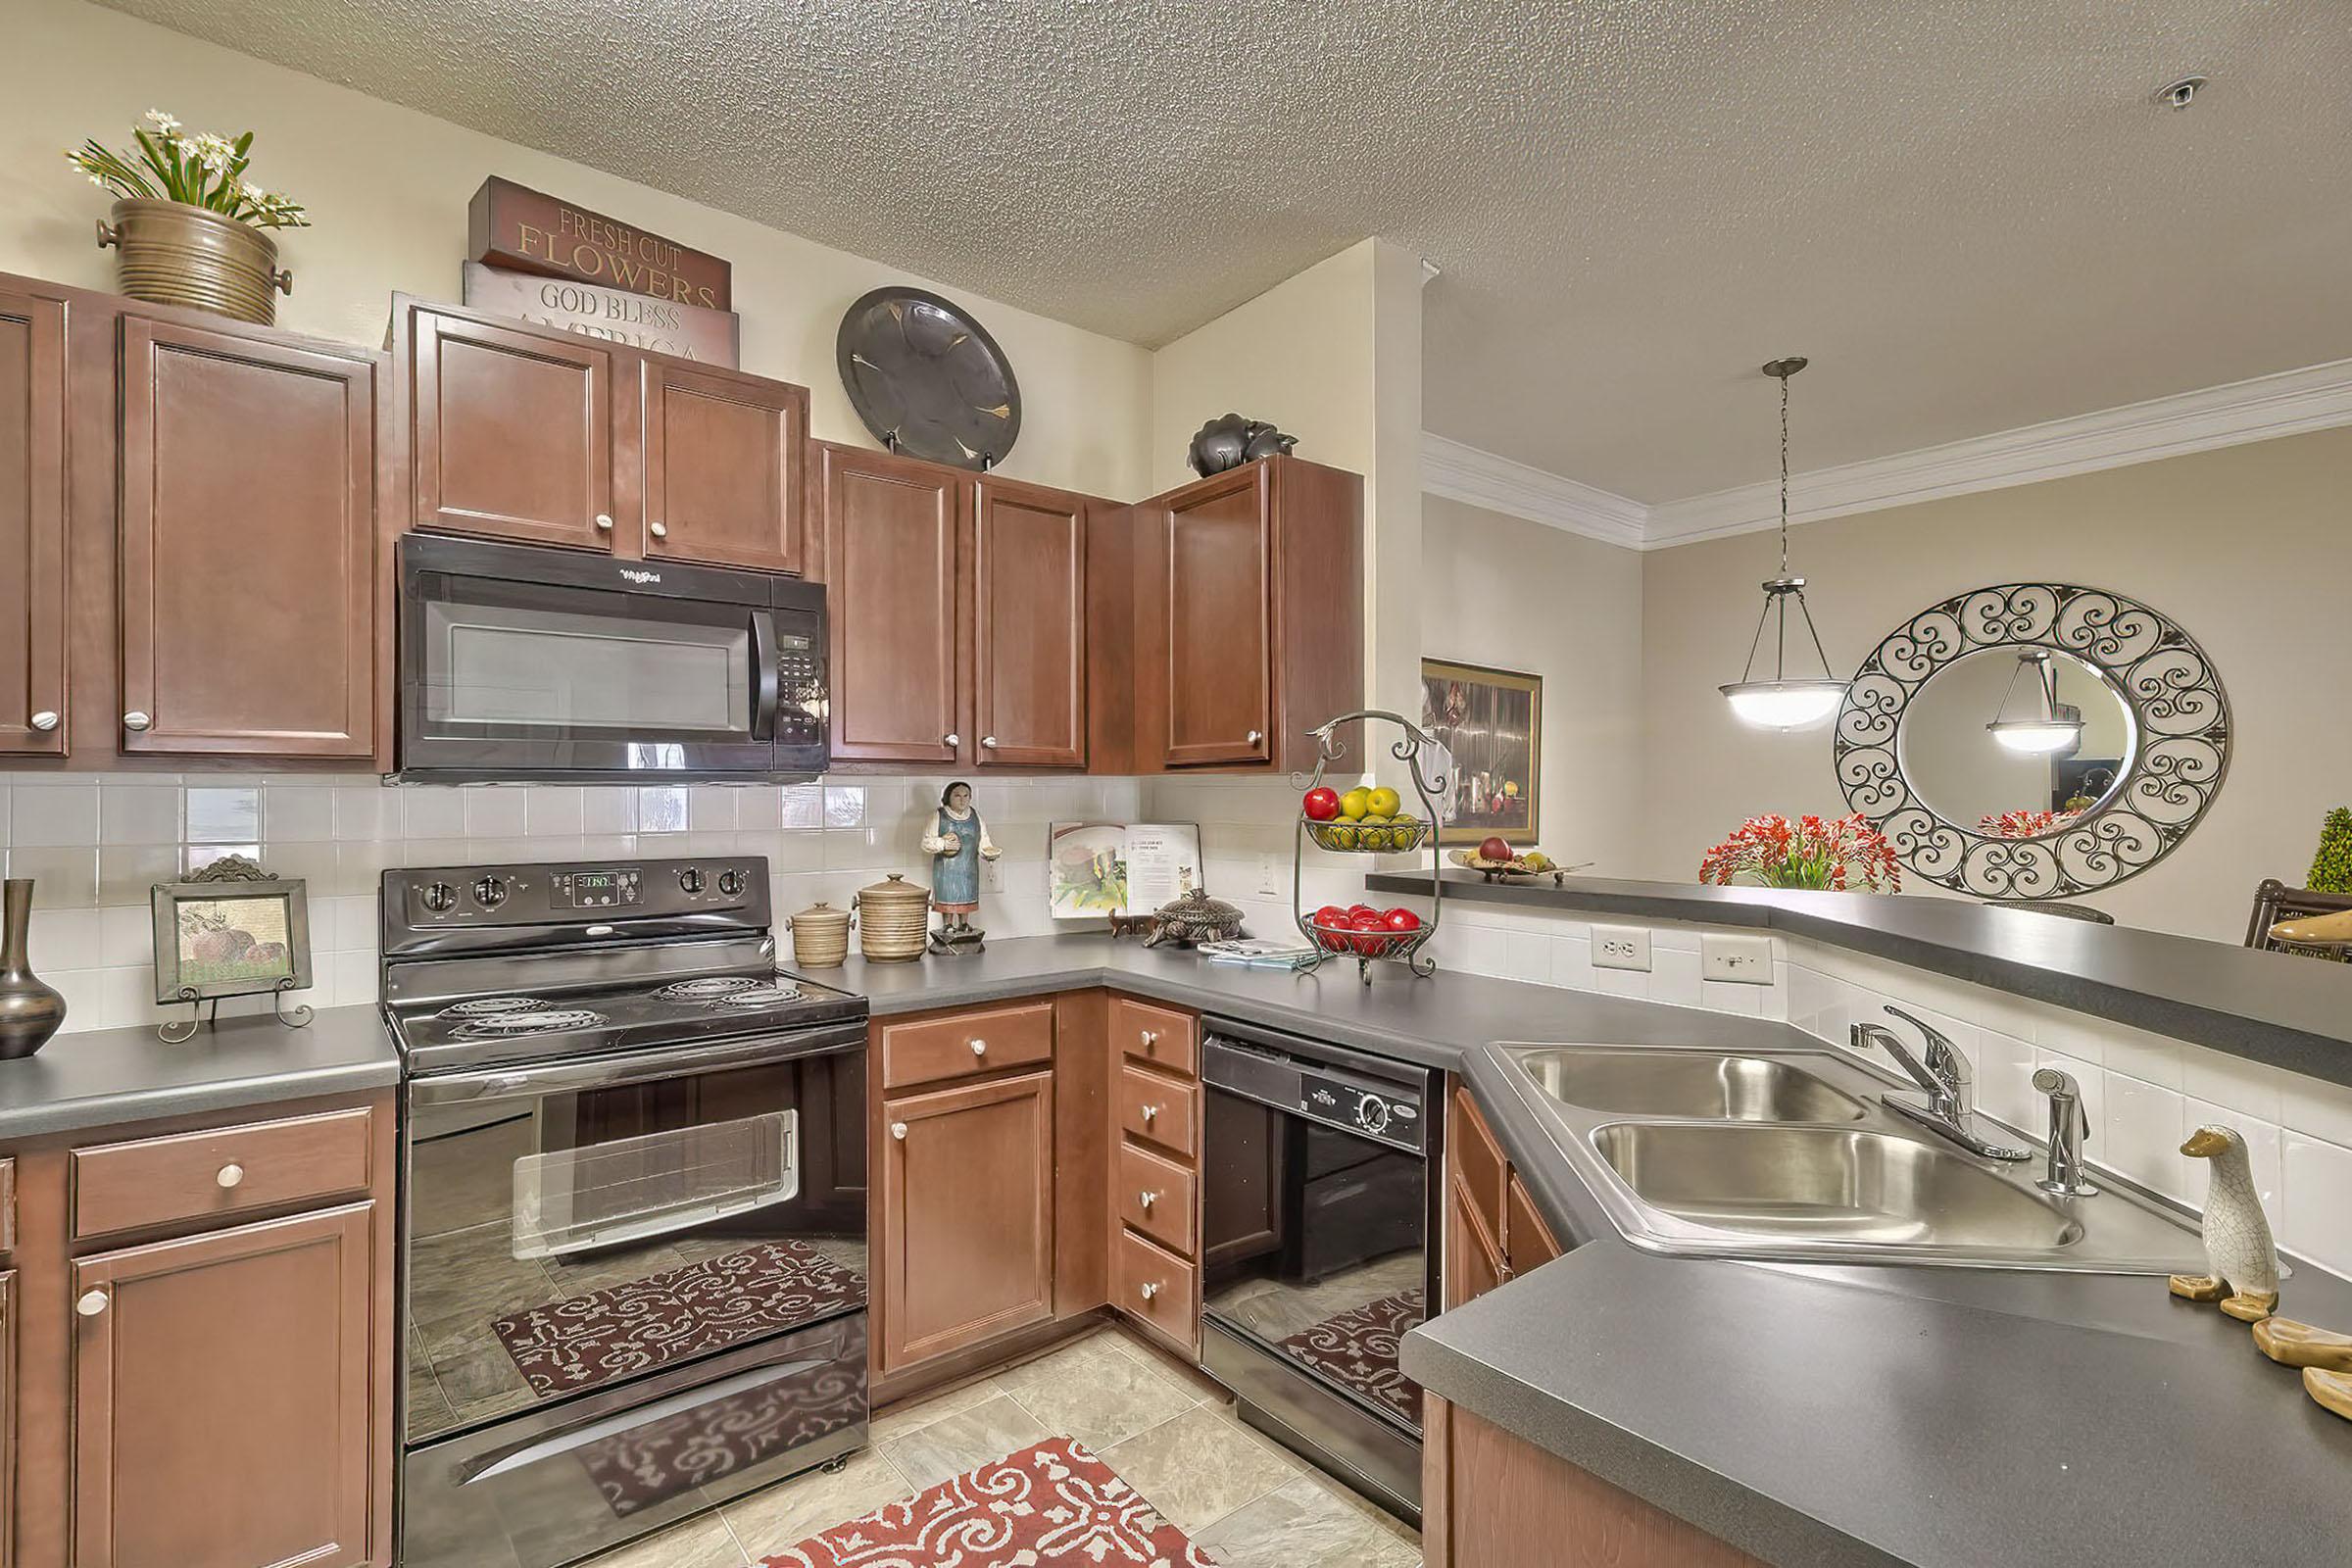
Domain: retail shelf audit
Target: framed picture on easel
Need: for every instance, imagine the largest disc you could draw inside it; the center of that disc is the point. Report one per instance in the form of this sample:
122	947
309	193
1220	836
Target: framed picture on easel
1490	723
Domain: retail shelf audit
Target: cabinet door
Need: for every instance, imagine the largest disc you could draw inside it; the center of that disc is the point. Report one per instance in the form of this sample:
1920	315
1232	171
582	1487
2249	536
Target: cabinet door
248	544
32	526
220	1398
1527	1241
512	430
967	1216
1028	627
1216	609
8	1417
723	468
890	590
1471	1266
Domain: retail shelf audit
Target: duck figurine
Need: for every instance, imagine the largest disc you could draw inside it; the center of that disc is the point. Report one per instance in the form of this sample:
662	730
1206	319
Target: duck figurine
2238	1235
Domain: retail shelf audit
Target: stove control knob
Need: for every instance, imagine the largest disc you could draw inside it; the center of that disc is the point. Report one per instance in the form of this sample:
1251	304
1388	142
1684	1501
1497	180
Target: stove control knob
490	892
438	897
1372	1114
730	883
690	880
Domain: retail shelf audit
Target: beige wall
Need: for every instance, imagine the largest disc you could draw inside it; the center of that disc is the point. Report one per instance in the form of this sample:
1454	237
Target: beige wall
2245	547
1507	591
387	190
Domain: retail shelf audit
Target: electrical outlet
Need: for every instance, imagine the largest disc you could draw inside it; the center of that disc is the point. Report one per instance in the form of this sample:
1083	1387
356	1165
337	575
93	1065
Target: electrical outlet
1269	874
1743	960
992	876
1620	947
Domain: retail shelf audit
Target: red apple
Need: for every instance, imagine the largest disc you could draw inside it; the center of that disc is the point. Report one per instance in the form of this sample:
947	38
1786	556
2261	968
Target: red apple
1361	908
1322	804
1371	931
1494	850
1401	920
1332	925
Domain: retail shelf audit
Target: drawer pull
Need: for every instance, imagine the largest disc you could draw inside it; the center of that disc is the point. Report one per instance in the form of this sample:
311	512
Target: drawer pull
1150	1114
92	1302
1254	736
1146	1200
603	523
230	1174
898	1130
135	720
1151	1037
979	1047
1151	1288
657	530
44	720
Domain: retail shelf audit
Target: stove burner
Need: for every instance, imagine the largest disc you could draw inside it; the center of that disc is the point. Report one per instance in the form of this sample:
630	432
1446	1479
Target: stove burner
709	989
484	1006
530	1023
759	996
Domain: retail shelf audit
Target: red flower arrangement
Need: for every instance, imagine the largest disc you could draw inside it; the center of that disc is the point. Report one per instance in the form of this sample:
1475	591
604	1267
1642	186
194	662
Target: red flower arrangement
2024	824
1839	852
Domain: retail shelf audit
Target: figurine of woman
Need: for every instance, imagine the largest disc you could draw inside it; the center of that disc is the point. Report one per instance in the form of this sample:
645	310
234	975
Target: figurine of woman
958	843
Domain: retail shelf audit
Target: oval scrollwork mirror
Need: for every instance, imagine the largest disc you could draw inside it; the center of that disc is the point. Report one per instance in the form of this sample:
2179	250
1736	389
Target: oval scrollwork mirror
2034	741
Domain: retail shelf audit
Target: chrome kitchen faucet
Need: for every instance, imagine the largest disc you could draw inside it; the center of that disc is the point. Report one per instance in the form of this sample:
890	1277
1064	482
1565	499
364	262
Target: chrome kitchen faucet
1948	1083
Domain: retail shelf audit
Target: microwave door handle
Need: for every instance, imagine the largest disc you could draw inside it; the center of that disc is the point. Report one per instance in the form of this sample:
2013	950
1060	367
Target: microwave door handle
763	668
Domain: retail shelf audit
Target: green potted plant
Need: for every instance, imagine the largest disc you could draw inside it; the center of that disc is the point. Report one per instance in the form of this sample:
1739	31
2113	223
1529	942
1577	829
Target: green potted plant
2331	867
188	227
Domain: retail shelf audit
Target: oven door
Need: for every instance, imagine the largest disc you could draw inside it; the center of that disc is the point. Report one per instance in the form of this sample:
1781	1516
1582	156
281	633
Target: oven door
521	662
579	1227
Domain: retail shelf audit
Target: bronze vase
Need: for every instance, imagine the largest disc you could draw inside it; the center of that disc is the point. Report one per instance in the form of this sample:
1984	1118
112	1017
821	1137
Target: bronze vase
29	1010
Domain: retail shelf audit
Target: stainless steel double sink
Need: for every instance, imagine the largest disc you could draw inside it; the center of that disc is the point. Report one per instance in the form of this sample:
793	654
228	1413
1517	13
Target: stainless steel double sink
1788	1154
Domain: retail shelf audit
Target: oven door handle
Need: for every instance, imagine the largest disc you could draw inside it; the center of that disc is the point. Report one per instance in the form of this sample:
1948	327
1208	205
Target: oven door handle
763	674
491	1466
564	1078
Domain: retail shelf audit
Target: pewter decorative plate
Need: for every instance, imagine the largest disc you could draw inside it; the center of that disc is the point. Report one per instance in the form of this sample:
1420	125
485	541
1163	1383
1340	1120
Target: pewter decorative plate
928	379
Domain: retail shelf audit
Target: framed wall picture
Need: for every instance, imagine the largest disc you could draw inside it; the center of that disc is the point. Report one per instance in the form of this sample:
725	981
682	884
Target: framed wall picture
1491	722
231	930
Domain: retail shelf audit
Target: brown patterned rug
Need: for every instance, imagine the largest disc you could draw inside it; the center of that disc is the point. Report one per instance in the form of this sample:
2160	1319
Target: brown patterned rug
1054	1505
1360	1348
763	1289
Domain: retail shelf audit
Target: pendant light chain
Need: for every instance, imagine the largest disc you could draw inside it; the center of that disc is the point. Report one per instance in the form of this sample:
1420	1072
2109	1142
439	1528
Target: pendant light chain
1784	476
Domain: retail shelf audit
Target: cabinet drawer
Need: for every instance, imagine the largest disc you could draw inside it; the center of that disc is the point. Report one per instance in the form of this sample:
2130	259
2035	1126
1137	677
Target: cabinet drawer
221	1171
1155	1196
1160	1036
1156	1286
1157	1110
968	1043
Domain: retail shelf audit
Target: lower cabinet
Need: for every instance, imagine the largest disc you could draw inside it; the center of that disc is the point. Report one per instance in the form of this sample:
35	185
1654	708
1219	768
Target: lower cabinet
1492	1231
966	1219
221	1397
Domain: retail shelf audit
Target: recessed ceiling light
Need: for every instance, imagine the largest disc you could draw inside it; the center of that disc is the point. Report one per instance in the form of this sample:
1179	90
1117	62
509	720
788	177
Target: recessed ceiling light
2180	94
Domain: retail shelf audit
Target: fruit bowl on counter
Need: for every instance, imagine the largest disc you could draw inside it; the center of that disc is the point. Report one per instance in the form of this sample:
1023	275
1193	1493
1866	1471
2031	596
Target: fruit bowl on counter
1498	861
1364	932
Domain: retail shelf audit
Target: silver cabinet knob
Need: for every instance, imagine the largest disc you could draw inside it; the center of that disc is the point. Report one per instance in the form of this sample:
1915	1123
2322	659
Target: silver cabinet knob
989	741
44	720
1151	1037
1146	1200
229	1175
1151	1288
979	1047
950	738
603	523
91	1302
134	719
1151	1114
898	1130
657	530
1254	736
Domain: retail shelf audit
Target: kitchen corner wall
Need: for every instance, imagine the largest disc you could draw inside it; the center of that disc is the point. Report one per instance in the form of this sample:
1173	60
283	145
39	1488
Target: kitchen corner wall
94	846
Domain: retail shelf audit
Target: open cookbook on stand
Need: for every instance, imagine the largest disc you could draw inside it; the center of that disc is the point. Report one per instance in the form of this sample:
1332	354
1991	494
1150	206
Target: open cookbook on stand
1096	870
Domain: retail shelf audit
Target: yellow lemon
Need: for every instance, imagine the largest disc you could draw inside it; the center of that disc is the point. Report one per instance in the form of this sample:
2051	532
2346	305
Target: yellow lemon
1385	801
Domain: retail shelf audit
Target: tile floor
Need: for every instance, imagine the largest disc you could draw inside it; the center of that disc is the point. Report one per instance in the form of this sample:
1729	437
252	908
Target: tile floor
1168	1432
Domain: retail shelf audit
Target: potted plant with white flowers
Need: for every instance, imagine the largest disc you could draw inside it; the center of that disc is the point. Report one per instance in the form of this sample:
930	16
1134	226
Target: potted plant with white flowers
189	229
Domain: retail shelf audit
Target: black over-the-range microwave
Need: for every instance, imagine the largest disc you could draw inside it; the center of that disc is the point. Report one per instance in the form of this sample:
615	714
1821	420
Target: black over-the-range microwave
533	663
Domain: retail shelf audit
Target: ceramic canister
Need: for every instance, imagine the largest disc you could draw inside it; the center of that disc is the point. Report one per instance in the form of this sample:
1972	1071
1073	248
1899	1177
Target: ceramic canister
894	919
821	937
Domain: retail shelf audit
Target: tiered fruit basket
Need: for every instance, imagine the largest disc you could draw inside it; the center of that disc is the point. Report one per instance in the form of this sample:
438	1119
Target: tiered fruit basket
1370	947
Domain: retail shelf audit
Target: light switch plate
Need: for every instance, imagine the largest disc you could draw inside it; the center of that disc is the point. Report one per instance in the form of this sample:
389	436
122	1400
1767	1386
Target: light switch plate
1269	874
1620	947
1742	960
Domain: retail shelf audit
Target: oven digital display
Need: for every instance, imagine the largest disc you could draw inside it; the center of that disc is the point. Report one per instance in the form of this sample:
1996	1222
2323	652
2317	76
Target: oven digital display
596	890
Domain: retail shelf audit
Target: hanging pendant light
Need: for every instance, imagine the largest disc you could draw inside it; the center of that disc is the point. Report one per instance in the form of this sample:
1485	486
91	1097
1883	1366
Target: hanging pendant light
1785	701
2055	727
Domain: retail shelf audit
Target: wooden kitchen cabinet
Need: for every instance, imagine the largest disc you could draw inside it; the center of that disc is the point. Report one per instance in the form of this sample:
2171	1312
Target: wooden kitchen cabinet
1029	625
223	1399
891	527
725	456
247	556
1249	615
966	1219
1493	1232
33	522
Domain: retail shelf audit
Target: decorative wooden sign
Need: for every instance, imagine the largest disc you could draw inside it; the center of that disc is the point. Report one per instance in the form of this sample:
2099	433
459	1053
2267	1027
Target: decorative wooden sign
712	337
513	226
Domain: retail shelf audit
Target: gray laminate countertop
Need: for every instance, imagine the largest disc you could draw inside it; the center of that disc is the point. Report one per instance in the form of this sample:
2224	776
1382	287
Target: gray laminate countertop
107	1076
2291	1012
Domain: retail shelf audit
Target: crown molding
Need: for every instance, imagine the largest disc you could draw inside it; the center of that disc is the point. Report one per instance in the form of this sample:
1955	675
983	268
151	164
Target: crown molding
1461	472
2288	403
2318	397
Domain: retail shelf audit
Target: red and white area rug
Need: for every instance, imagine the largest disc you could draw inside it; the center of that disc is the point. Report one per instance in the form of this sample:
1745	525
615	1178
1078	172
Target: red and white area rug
1052	1507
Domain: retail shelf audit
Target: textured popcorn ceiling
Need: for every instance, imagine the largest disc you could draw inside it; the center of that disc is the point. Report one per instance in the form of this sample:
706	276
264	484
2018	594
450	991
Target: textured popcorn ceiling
1966	210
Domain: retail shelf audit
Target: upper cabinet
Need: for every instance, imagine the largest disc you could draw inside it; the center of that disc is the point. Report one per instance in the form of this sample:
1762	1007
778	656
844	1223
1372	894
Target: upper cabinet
1249	615
1029	625
247	544
548	437
891	532
32	523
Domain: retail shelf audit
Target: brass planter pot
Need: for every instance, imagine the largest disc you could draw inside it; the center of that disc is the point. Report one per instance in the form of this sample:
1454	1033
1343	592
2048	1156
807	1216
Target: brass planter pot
173	253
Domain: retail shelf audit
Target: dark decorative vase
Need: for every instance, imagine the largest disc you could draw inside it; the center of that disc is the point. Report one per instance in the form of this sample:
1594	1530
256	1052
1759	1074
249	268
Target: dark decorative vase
1229	441
29	1011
